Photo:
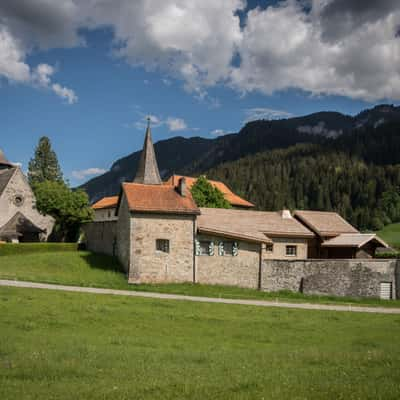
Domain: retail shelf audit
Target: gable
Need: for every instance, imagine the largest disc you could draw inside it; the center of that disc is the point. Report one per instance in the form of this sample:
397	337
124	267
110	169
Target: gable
5	177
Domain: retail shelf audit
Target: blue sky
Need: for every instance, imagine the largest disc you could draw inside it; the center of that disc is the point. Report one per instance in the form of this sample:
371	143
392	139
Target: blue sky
100	77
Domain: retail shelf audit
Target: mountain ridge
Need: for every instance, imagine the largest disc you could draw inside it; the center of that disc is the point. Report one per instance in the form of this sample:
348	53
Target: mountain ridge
196	154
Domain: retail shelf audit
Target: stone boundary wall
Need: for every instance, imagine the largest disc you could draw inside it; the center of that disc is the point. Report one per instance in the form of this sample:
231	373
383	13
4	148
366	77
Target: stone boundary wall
101	237
353	278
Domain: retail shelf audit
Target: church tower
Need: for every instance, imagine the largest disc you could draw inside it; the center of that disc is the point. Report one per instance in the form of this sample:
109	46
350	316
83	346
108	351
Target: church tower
147	172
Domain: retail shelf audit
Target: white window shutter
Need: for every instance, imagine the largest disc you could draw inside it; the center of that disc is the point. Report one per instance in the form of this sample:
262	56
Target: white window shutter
221	250
235	249
197	248
211	249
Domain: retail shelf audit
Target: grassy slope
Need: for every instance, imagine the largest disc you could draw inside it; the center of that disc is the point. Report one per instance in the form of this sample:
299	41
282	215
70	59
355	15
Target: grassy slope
391	235
88	269
58	345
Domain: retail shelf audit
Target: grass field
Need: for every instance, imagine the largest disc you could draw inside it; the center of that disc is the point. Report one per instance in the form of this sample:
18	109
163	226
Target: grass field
391	235
95	270
81	346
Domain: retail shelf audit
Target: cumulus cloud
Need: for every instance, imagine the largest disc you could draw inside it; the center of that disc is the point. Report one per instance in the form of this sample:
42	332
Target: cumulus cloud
340	18
257	113
334	47
84	173
12	65
284	46
41	76
176	124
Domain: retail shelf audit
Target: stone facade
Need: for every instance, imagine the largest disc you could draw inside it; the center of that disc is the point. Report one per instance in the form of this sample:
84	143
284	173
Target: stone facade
124	231
241	270
101	237
105	214
151	265
279	249
354	278
18	197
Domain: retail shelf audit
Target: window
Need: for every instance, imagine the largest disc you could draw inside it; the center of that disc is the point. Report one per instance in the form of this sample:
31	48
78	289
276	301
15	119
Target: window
19	200
291	251
162	245
204	248
269	247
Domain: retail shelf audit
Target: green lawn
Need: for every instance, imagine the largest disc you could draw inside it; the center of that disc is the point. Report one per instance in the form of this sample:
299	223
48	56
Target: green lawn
95	270
81	346
391	235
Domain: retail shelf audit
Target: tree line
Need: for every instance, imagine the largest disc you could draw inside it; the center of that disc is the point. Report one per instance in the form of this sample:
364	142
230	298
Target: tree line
318	177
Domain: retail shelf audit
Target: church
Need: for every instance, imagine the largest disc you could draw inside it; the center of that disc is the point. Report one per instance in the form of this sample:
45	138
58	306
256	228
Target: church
19	219
160	235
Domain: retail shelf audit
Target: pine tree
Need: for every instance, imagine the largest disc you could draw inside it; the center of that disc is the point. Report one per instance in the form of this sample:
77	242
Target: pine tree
44	165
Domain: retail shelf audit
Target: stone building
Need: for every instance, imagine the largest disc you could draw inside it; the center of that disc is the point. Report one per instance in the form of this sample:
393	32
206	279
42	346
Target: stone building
160	235
19	219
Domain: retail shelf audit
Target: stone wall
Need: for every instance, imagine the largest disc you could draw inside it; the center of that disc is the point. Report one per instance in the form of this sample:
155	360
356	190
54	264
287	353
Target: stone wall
101	237
354	278
279	248
105	214
18	186
151	265
124	232
241	270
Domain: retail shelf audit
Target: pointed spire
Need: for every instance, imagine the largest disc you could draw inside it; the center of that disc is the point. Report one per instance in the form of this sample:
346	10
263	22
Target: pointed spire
147	171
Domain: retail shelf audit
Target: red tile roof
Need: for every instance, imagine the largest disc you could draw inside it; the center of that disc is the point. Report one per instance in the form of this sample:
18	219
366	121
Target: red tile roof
158	199
231	197
106	202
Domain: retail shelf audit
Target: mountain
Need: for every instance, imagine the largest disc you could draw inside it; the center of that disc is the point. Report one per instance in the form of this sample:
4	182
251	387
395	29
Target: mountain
197	155
356	174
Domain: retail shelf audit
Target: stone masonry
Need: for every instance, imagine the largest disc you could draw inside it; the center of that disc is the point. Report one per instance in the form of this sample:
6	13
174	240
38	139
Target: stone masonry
353	278
149	265
18	186
241	270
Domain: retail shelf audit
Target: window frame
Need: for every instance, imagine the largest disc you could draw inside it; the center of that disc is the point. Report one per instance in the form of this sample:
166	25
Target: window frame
288	253
163	246
209	245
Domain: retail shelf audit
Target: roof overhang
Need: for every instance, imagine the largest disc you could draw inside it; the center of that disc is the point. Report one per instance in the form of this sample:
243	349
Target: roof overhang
234	235
364	239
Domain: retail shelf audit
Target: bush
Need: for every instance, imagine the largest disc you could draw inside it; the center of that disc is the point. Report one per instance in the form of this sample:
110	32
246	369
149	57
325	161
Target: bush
25	248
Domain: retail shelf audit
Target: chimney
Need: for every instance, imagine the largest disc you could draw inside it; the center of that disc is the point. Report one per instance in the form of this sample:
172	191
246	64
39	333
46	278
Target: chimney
286	214
182	187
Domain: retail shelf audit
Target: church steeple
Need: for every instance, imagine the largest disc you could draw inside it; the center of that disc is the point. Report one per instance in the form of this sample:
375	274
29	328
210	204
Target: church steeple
147	172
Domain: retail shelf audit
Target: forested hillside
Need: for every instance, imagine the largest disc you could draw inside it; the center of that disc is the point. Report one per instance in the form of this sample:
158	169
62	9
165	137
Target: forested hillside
357	175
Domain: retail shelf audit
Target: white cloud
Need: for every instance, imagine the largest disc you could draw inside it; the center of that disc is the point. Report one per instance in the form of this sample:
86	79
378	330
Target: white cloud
12	65
14	68
65	93
84	173
336	47
283	47
176	124
257	113
218	132
172	123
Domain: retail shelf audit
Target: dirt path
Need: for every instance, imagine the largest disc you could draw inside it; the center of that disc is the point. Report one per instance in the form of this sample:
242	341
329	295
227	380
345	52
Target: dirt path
258	303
